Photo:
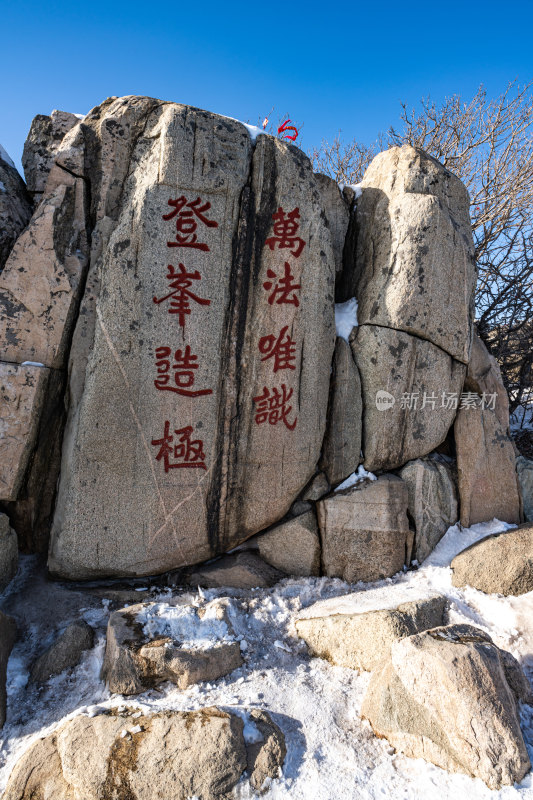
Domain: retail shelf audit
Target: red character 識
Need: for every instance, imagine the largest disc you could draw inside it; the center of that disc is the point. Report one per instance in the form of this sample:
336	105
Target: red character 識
283	287
272	407
186	223
285	230
184	365
282	349
189	454
180	283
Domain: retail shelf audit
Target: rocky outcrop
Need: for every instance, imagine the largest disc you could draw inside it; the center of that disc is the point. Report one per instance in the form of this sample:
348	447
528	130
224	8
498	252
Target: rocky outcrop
64	653
292	547
135	661
204	756
447	696
484	377
9	553
432	502
524	468
487	479
341	453
318	487
43	142
337	212
357	630
8	632
365	530
15	206
499	564
241	570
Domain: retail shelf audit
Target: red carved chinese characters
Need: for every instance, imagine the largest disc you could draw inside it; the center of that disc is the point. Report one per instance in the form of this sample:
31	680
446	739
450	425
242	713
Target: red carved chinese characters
285	228
187	453
272	406
180	296
282	349
183	367
186	216
282	287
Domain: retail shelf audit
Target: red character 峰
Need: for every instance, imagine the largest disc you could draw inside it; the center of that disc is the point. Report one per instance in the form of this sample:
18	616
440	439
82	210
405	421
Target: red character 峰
188	453
272	406
282	349
186	224
184	365
180	296
285	230
284	287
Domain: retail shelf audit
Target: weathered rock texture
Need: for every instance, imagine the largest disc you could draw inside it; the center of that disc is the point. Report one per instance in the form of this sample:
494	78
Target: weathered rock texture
134	662
404	366
365	530
484	377
341	454
9	553
292	547
524	468
318	487
499	564
447	695
203	755
8	632
242	461
265	757
362	639
432	502
44	139
487	479
64	653
337	212
15	206
241	570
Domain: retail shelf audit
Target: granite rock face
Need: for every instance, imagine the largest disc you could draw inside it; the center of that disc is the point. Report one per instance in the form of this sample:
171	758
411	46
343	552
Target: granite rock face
487	479
9	554
365	530
64	653
8	632
15	206
293	546
208	318
448	696
484	377
43	142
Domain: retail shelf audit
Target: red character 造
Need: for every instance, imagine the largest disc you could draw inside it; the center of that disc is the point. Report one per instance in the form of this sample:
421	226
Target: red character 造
272	406
188	453
283	287
285	230
282	349
186	224
180	283
184	365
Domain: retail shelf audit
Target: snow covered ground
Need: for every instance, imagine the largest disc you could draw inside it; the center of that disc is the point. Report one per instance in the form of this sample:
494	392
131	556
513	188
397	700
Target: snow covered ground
332	754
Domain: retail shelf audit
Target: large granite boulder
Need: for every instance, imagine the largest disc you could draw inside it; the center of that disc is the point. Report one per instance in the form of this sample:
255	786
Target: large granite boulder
199	389
449	695
365	530
65	652
432	502
357	630
524	468
293	546
502	563
9	552
415	255
183	754
44	139
417	379
244	569
8	633
15	206
484	377
487	479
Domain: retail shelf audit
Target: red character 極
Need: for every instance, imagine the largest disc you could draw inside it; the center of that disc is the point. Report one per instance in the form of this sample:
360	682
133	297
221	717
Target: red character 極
180	283
272	406
186	215
188	453
285	230
184	365
282	349
284	287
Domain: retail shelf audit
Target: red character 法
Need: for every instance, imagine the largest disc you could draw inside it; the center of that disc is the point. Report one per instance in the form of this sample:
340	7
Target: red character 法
284	287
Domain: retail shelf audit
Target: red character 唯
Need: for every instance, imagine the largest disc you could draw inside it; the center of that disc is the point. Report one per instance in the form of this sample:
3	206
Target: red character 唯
187	453
285	230
180	296
184	365
284	287
186	215
282	349
272	406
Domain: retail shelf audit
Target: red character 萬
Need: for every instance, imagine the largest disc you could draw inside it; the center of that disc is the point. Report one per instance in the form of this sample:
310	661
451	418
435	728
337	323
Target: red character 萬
285	230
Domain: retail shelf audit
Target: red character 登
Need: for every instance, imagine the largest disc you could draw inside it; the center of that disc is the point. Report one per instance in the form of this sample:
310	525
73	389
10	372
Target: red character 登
186	215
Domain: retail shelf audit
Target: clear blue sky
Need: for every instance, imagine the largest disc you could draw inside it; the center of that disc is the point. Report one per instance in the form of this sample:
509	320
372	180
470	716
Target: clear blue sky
333	66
